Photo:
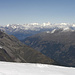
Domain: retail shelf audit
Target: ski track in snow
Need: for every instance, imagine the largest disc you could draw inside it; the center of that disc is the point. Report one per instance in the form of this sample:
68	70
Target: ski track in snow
7	68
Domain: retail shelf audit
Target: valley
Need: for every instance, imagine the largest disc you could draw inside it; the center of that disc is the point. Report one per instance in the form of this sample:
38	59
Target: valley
54	41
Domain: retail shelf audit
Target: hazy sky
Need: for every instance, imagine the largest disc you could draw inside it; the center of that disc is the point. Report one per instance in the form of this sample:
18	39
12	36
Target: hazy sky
27	11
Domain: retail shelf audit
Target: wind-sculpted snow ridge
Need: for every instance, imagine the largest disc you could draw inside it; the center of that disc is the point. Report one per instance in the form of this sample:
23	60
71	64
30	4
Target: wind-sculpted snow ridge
7	68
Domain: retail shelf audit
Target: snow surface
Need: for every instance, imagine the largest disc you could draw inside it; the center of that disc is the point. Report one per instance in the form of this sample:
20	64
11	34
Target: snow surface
53	31
0	47
7	68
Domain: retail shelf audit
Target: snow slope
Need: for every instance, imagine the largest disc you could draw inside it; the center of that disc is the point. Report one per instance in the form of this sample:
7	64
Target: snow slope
7	68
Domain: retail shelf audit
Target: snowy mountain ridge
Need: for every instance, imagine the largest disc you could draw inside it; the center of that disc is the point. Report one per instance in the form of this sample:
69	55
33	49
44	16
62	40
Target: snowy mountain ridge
21	31
37	26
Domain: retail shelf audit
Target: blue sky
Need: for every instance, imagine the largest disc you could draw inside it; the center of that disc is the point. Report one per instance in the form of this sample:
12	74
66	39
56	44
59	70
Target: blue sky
27	11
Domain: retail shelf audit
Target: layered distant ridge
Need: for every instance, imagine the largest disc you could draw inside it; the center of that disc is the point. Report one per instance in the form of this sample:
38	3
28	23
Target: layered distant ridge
21	31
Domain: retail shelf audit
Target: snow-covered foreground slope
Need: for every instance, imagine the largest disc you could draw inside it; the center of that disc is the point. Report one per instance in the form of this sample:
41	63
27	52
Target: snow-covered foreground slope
7	68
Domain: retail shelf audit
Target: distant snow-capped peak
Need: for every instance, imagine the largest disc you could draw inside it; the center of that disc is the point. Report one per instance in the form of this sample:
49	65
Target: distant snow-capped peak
63	24
67	29
37	26
7	25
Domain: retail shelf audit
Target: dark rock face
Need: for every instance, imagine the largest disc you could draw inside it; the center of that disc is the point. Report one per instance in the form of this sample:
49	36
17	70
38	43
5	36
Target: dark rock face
12	49
59	46
4	55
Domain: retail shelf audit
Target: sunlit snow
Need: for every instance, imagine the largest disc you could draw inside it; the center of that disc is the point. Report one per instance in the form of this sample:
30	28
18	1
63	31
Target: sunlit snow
7	68
0	47
53	31
35	26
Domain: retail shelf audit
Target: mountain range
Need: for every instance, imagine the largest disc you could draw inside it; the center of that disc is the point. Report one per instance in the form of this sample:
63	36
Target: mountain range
11	49
21	31
55	41
57	44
